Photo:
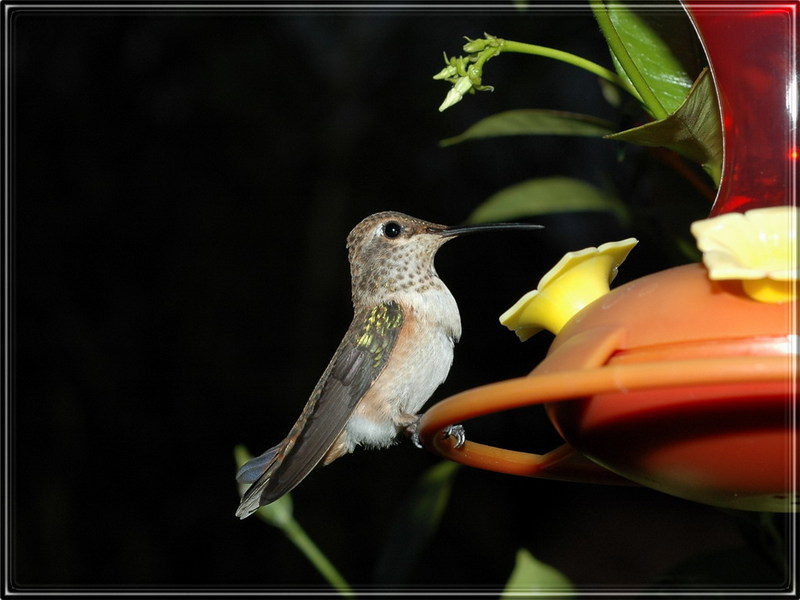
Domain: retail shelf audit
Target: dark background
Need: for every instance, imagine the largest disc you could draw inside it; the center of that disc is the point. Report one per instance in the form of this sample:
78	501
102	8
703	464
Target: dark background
183	182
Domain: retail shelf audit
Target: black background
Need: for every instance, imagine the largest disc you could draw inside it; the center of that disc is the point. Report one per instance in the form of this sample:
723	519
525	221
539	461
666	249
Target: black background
183	182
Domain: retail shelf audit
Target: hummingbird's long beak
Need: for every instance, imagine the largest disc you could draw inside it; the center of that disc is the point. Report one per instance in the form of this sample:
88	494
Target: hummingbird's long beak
453	231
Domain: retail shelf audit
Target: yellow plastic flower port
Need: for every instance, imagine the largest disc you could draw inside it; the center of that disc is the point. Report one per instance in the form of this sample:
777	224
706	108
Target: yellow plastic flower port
758	247
577	280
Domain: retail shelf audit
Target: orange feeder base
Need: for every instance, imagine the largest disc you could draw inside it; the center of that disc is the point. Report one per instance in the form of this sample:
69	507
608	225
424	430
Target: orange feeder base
672	381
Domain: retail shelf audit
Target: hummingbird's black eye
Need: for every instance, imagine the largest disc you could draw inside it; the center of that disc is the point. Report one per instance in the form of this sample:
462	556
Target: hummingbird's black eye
392	229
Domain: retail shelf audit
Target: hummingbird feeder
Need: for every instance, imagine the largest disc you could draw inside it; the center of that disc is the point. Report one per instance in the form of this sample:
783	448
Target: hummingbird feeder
685	380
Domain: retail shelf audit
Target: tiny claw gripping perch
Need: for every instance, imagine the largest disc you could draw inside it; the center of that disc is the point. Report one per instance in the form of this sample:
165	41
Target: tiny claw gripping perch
456	431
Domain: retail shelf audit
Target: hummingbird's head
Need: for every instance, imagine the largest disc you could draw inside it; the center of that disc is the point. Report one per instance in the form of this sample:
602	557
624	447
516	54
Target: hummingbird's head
390	252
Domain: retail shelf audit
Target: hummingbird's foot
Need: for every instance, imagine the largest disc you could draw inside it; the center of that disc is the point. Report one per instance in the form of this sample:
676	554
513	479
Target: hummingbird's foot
456	431
412	430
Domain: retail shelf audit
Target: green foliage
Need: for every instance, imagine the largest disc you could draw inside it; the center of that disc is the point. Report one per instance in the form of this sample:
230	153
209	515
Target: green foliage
534	122
693	130
657	62
465	73
531	576
544	196
642	51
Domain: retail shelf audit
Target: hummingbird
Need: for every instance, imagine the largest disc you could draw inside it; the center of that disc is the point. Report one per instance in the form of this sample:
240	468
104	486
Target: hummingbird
396	352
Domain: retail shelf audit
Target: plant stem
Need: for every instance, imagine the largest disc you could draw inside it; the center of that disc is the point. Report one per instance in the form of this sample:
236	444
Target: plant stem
279	514
300	538
645	93
577	61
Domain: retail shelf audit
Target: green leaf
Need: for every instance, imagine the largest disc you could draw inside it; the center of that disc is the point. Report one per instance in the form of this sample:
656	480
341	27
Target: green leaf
656	51
415	523
546	195
693	130
650	40
534	122
531	576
